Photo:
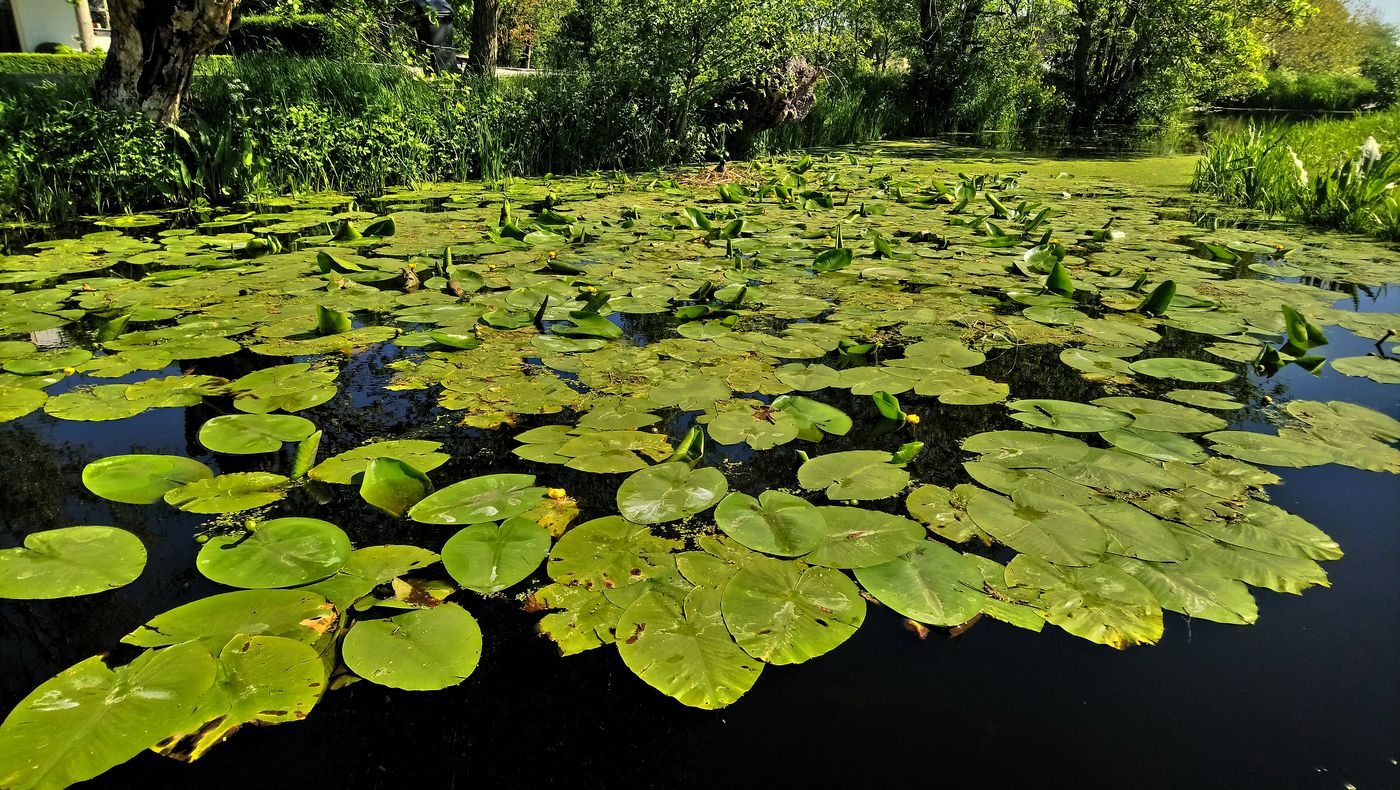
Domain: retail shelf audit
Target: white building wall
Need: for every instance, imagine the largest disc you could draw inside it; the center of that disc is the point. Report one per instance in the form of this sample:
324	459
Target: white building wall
42	21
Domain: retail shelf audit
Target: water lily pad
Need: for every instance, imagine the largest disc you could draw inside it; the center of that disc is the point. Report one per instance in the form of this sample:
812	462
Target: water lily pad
15	402
294	614
420	650
228	493
858	538
1155	415
761	429
1182	369
393	486
478	500
668	492
933	584
1068	416
119	712
1194	589
249	434
610	552
1380	369
1041	526
782	612
60	563
1160	445
418	453
684	650
141	479
775	522
1026	449
1100	603
855	474
1262	448
488	558
262	680
283	552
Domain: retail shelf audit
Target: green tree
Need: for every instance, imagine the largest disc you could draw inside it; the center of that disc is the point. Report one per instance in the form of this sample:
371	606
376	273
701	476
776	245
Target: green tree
1332	39
1148	58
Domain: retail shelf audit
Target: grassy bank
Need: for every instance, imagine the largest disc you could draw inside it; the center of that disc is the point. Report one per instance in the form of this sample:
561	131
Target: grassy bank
1333	173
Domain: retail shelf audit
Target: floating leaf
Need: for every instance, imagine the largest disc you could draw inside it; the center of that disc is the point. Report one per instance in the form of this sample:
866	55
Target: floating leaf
611	552
1100	603
1181	369
91	717
685	652
858	538
229	493
478	500
283	552
295	614
932	584
781	612
420	650
668	492
1063	415
248	434
1041	526
855	474
775	522
60	563
141	479
417	453
488	558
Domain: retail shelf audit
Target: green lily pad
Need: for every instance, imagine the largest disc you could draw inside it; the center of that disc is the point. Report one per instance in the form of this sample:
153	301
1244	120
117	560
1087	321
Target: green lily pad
61	563
120	713
228	493
855	474
478	500
1040	526
1262	448
1068	416
684	650
782	612
669	492
341	469
262	680
419	650
1379	369
488	558
283	552
611	552
858	538
141	479
776	523
933	584
1100	603
1182	369
294	614
249	434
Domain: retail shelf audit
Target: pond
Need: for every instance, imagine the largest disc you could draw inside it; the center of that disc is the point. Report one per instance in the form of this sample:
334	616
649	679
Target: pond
943	427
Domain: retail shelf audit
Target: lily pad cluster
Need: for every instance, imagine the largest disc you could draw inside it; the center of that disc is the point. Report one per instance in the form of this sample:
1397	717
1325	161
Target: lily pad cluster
1004	396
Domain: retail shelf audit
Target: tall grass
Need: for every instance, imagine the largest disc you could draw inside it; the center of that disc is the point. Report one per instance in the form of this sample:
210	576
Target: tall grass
1340	173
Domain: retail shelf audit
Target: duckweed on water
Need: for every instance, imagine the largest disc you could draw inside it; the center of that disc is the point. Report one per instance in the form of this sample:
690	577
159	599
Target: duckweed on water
671	345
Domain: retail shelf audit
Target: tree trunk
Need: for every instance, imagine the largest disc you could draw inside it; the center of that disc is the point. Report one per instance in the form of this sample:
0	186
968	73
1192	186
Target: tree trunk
485	18
154	47
86	40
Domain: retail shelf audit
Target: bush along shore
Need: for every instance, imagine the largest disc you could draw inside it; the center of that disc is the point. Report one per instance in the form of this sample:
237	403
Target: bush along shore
1336	173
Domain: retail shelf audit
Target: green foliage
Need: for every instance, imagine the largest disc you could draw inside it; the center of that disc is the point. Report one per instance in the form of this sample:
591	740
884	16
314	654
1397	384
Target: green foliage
1339	174
1287	90
40	63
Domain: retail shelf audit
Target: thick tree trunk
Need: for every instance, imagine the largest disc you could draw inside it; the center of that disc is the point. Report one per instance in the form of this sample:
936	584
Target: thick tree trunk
154	47
485	19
